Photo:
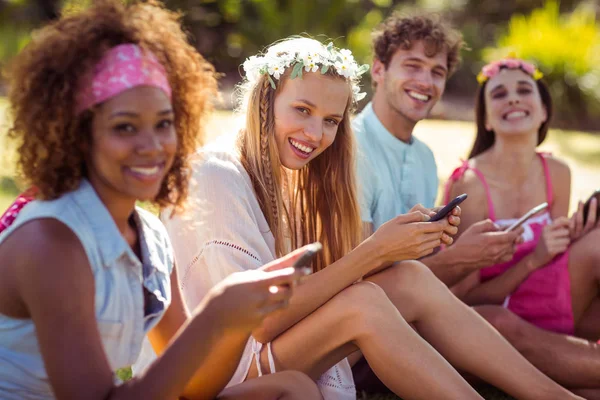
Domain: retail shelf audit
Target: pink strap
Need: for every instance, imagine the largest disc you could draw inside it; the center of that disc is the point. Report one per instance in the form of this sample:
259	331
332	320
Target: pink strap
458	173
549	187
11	213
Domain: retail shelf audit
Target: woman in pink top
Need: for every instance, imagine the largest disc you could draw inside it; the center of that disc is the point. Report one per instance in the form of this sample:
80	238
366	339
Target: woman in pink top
552	281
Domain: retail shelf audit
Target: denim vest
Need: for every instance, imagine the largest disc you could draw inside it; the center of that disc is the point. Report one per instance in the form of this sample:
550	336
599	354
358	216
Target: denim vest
122	317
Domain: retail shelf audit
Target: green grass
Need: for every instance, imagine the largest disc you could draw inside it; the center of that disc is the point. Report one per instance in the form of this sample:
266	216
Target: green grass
8	191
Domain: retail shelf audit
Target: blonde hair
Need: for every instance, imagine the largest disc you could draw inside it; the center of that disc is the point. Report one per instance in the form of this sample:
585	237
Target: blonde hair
317	202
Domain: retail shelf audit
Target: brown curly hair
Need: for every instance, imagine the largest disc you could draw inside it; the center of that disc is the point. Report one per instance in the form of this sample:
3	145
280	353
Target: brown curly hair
44	80
399	31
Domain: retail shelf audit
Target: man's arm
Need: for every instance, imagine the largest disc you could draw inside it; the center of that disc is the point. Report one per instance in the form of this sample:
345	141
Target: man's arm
481	245
448	266
471	252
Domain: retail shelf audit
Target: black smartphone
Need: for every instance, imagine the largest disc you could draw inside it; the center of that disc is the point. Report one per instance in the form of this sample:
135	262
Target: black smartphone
307	258
448	208
586	206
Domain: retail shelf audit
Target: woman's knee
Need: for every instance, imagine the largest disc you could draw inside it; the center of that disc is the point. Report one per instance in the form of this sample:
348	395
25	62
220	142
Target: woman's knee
591	241
362	293
298	385
415	282
362	304
414	272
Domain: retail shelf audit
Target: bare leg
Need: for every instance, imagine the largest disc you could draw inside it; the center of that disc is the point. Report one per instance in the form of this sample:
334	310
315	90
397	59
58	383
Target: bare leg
584	271
571	361
461	335
362	317
588	326
589	394
287	385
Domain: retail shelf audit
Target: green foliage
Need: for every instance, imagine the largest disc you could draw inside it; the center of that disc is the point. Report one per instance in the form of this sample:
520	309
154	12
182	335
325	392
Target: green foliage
561	37
228	31
359	37
566	48
13	40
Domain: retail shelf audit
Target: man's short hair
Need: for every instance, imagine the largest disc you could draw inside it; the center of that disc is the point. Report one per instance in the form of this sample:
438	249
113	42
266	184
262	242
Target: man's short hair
400	31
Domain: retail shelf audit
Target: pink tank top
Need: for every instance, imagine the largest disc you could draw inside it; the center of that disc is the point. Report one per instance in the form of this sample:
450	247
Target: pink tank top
544	297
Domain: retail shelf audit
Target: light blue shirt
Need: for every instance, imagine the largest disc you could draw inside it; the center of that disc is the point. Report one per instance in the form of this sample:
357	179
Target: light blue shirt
122	316
393	176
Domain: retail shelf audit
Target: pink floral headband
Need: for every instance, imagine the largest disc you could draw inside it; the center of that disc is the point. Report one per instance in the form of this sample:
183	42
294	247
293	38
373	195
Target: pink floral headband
492	69
123	67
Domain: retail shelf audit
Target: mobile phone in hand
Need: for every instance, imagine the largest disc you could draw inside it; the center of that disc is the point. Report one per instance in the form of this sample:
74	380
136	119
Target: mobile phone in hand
308	256
525	217
586	206
448	208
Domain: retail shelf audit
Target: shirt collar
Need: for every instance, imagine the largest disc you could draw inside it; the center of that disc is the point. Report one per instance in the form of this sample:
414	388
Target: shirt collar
373	124
109	239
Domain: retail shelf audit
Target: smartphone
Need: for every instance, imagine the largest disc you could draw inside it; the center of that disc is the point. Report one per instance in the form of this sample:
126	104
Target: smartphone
586	206
307	258
448	208
525	217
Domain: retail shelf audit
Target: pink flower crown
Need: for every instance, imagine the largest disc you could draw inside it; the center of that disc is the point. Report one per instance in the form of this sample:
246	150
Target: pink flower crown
490	70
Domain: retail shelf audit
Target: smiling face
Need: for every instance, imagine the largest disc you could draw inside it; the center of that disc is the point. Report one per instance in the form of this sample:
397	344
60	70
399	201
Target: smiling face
513	104
308	112
413	82
133	144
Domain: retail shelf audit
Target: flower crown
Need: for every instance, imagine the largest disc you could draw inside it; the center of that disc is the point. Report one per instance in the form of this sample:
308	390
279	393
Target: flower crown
307	55
490	70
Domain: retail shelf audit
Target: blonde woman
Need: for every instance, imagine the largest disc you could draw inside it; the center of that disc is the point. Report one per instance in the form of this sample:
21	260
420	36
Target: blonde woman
290	181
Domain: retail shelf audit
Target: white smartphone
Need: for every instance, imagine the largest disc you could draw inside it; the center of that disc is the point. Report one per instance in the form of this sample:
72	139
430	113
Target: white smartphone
528	215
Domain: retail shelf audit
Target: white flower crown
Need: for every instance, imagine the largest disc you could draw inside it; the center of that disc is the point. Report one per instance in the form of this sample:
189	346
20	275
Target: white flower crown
305	55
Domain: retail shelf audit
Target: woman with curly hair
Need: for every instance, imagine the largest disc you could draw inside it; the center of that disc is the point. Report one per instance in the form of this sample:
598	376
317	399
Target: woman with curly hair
291	181
107	106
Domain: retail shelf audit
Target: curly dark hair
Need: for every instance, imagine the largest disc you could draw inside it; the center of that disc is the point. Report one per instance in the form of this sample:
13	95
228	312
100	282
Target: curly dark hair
399	31
44	80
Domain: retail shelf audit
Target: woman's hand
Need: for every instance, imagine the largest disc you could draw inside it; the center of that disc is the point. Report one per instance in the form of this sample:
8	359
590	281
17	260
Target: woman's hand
243	299
577	226
453	218
410	236
555	240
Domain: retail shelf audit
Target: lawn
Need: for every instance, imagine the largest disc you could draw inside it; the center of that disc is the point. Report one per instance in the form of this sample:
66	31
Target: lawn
449	140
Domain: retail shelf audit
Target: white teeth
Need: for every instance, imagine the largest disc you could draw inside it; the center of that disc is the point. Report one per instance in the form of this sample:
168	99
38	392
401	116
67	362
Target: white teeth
418	96
145	170
301	147
516	114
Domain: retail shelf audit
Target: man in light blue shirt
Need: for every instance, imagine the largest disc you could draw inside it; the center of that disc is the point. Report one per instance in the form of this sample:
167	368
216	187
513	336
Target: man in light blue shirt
414	56
394	175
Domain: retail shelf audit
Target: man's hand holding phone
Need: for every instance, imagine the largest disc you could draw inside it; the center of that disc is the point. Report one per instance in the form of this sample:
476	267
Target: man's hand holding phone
484	244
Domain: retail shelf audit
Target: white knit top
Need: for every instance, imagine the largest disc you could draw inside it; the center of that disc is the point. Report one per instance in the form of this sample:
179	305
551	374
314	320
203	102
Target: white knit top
226	232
